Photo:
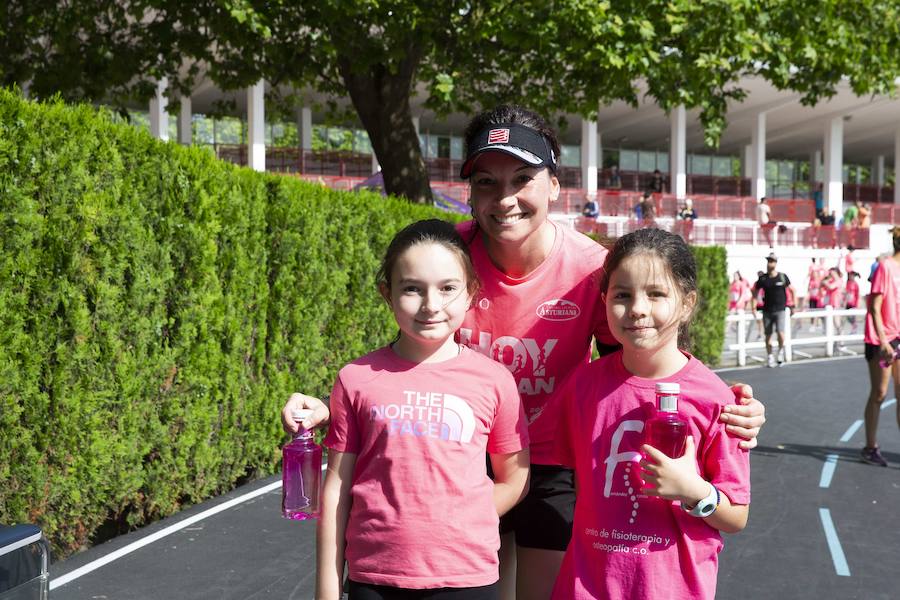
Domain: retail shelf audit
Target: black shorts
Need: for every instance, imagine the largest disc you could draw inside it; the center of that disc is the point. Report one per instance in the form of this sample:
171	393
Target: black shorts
368	591
773	321
874	351
543	520
814	303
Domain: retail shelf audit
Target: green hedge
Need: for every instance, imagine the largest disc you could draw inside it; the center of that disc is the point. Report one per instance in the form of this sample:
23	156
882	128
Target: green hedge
156	308
708	329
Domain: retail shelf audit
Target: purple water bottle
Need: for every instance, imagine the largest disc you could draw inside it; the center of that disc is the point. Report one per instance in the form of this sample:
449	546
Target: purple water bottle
666	431
301	474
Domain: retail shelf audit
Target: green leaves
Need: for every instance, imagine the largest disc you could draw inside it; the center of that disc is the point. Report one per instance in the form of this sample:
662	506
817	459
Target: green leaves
560	57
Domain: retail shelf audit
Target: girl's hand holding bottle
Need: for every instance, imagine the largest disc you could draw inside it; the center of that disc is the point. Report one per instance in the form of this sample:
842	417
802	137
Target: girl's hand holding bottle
319	416
673	478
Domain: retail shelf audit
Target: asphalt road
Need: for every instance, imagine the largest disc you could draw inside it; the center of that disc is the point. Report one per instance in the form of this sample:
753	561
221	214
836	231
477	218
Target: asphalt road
822	524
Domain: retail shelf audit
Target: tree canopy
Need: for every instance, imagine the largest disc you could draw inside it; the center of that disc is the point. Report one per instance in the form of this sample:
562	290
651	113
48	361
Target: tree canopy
564	56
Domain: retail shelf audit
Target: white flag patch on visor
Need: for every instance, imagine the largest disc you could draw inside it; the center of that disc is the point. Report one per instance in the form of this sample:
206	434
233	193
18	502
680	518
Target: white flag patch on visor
498	136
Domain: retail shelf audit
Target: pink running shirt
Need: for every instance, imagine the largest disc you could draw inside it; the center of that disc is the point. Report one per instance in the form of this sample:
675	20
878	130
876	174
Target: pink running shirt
539	326
625	544
422	513
886	282
852	294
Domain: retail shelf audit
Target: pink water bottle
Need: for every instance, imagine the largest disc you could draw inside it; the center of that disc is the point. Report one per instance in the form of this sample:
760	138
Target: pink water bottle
666	431
301	474
887	363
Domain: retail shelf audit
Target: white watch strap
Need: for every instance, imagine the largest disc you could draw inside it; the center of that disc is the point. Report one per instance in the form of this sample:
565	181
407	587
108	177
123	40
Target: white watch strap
706	506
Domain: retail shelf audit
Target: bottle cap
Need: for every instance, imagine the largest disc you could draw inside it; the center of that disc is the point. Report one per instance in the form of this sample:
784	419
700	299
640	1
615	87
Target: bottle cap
666	387
668	396
300	414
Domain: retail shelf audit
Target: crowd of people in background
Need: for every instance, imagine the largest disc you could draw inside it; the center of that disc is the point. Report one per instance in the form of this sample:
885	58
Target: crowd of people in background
835	286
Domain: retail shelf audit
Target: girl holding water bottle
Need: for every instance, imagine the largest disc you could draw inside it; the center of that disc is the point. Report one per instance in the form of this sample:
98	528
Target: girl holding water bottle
647	524
407	501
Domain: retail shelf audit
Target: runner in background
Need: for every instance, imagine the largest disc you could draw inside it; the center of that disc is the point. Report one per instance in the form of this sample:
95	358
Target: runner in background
881	341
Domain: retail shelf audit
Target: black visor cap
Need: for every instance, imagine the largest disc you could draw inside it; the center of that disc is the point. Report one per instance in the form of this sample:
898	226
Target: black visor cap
518	141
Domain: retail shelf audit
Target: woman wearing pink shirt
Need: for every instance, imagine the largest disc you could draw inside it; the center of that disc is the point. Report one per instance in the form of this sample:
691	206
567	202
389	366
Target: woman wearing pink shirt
815	276
851	297
738	293
882	339
537	313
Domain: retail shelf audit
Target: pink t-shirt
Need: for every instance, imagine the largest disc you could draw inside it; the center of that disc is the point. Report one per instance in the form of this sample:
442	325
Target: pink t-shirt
540	325
735	293
422	513
625	544
886	282
852	294
815	279
834	296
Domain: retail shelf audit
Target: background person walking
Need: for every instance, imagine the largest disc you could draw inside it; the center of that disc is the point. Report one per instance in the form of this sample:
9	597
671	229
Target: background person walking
774	288
882	338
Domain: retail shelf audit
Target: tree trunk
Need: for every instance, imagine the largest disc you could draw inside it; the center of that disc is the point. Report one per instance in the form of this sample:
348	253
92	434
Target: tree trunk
381	99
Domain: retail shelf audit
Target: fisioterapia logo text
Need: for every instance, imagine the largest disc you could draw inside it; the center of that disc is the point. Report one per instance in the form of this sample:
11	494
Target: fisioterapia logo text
558	310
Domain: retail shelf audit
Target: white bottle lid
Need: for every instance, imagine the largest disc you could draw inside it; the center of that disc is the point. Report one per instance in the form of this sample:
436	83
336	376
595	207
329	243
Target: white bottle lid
300	414
665	387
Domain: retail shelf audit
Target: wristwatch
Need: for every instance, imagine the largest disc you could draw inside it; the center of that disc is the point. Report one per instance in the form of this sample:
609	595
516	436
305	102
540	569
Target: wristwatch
706	506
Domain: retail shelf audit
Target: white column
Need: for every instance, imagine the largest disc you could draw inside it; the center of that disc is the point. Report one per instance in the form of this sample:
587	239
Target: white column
815	166
589	156
878	170
678	152
415	121
834	166
256	124
897	165
758	168
159	116
185	129
304	128
747	162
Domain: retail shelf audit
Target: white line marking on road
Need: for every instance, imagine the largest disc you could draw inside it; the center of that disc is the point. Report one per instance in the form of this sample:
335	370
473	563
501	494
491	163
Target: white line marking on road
852	429
887	403
105	560
834	544
828	470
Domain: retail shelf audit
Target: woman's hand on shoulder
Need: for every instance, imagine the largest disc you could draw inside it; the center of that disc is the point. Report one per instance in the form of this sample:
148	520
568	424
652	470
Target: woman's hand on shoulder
320	415
745	418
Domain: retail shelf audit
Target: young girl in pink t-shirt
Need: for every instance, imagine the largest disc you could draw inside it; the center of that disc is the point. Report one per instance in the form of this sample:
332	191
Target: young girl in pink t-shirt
407	501
648	527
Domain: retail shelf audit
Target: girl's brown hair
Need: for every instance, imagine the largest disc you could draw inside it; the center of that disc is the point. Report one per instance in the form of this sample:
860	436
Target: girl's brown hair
673	252
429	231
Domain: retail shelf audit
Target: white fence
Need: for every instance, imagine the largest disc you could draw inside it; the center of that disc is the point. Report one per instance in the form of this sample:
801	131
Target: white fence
831	338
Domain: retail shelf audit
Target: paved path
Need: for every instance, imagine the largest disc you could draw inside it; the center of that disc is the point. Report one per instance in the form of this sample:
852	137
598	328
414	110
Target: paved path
806	481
